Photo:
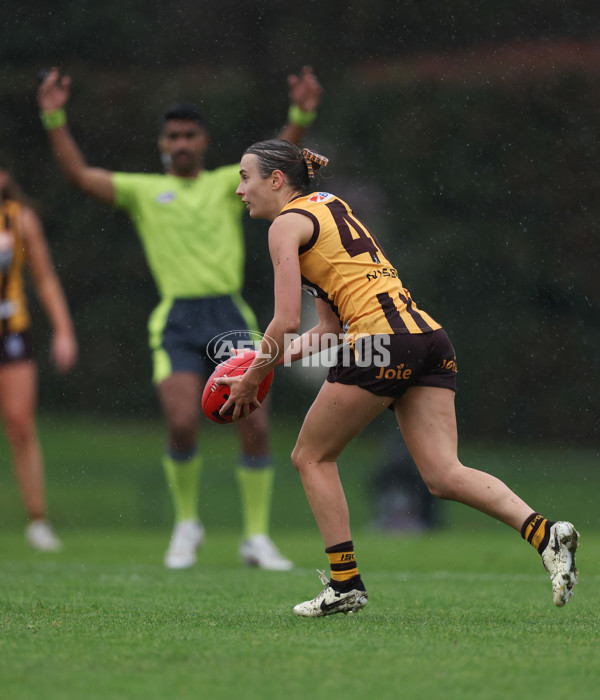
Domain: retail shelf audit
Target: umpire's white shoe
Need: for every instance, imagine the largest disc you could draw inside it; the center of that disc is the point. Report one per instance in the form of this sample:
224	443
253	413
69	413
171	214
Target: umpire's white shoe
40	535
187	536
260	551
559	561
329	601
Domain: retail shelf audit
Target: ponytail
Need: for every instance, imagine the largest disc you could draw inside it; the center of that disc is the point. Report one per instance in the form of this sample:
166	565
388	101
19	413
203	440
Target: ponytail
298	166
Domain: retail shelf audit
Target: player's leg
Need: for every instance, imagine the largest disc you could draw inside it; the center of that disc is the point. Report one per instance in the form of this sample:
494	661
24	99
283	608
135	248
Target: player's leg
338	414
427	419
18	398
179	396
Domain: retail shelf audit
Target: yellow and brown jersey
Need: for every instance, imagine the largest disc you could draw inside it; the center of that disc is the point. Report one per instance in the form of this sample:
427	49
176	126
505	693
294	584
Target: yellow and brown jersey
14	316
344	265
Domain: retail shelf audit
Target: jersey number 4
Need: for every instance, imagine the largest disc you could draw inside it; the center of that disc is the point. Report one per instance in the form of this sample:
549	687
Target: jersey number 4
365	243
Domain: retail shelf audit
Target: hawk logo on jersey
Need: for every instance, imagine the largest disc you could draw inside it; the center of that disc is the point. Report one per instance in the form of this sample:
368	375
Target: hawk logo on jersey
319	197
165	197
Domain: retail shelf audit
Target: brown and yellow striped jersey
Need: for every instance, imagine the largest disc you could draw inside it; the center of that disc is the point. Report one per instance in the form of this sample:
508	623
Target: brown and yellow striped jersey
344	265
14	316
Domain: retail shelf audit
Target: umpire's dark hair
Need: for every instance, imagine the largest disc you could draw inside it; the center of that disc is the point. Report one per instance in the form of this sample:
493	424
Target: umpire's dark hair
185	111
297	165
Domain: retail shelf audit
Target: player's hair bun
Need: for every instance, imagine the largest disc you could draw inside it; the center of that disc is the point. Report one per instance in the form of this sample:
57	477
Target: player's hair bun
313	161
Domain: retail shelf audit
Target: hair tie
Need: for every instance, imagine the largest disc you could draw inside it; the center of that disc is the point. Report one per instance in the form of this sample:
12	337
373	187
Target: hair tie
313	161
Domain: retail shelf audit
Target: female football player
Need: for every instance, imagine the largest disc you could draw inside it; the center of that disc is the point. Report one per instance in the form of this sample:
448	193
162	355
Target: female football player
393	355
22	242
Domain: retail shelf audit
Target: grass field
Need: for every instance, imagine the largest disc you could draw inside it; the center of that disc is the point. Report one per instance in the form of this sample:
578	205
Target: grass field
464	611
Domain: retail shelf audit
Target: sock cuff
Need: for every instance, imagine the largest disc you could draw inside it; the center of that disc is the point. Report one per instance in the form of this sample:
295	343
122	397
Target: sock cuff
252	462
181	455
536	530
342	547
530	525
354	582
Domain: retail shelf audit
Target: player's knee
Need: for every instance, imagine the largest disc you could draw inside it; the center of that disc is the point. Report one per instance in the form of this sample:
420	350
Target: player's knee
299	461
445	482
295	458
305	458
20	428
437	489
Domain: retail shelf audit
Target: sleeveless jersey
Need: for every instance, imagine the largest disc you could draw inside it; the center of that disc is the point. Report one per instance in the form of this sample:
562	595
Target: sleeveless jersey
344	265
14	316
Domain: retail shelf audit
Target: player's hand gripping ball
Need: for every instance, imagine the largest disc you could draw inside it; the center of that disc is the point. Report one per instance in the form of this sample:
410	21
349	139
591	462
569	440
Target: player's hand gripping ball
216	395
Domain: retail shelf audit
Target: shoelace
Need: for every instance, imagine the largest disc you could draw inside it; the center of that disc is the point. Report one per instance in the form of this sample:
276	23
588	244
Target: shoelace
324	579
325	582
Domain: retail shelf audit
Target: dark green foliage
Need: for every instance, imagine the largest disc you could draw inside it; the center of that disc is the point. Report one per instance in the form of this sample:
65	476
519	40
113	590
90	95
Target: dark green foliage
465	136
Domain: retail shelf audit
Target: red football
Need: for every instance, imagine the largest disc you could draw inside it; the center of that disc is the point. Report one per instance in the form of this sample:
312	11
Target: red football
215	395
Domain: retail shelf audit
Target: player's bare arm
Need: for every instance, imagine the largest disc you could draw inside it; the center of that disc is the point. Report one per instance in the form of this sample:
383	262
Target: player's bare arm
53	95
63	347
286	235
305	95
327	330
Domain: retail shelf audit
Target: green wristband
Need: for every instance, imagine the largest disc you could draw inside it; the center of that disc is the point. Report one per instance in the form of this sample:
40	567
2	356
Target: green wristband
53	119
299	117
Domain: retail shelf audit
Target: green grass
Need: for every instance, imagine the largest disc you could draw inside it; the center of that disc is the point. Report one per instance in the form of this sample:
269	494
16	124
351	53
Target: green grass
461	612
451	615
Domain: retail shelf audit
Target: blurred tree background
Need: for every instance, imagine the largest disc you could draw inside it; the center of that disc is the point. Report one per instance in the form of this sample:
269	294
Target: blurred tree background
465	134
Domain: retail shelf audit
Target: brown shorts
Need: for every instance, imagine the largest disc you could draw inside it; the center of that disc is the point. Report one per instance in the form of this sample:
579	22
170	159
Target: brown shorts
387	365
15	347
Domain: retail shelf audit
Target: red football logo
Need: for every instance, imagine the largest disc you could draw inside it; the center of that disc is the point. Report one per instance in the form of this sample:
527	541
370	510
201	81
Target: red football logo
215	395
